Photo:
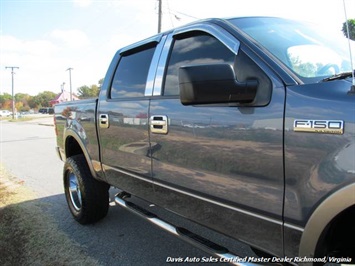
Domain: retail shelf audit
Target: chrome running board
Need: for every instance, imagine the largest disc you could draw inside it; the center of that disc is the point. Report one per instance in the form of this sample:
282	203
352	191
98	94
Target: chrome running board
196	240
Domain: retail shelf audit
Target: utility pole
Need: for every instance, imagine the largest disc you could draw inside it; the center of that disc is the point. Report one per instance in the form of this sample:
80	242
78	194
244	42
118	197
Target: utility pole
12	86
160	14
71	95
62	86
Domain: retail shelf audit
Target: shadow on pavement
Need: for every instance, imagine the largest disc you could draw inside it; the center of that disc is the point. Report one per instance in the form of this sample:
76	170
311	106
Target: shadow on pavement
121	238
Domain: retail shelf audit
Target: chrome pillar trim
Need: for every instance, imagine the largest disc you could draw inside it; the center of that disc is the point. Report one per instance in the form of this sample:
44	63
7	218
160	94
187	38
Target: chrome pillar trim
153	67
158	82
221	34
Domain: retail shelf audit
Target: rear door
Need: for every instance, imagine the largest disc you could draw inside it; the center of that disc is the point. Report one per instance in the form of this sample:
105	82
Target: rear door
123	119
220	165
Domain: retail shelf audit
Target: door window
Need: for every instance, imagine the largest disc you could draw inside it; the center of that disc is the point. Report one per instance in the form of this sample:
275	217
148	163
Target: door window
131	74
200	48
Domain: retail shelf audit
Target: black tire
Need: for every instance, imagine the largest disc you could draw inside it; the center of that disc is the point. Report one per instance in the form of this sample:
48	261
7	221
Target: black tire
87	198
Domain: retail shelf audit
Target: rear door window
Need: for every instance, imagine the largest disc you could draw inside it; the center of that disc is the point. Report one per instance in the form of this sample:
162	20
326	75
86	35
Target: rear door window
131	74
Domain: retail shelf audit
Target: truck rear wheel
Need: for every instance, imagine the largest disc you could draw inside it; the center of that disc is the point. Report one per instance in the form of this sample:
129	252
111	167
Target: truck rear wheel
87	198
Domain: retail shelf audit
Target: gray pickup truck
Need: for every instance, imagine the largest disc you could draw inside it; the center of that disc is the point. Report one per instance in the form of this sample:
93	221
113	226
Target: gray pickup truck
245	126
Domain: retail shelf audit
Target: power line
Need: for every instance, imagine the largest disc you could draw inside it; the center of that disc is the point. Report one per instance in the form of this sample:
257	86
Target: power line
173	14
170	14
184	14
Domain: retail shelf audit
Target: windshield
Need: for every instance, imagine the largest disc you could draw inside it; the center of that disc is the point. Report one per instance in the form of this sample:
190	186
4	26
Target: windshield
310	52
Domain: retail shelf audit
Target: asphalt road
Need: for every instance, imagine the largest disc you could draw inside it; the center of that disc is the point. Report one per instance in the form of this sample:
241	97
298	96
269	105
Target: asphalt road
27	151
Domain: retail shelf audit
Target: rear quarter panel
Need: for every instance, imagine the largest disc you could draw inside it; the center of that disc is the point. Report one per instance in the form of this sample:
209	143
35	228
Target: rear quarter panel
77	120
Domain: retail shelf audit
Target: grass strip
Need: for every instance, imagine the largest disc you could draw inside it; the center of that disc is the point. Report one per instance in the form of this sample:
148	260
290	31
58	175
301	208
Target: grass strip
29	236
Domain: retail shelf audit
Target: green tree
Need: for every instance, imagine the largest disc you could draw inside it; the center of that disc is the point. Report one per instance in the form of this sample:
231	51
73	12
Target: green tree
5	99
20	97
85	92
42	99
351	23
23	101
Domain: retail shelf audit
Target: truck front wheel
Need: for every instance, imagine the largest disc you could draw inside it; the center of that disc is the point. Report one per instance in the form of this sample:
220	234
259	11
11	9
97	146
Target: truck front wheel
87	198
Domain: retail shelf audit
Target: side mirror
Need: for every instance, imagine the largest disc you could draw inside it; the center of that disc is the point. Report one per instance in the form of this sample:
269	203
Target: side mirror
212	84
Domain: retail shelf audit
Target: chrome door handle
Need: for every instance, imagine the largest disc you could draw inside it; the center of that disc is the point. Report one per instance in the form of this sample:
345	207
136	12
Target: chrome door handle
104	121
159	124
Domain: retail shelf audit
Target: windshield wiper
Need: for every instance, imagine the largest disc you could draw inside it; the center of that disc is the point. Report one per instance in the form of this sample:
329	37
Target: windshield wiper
343	75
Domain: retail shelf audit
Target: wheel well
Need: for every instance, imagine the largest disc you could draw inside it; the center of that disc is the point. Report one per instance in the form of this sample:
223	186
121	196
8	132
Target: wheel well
337	239
72	147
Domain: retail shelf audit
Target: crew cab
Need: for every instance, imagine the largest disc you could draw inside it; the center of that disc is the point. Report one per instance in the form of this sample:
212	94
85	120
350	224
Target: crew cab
243	125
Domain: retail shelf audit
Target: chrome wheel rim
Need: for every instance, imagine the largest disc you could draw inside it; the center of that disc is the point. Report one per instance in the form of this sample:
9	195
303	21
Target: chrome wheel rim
74	192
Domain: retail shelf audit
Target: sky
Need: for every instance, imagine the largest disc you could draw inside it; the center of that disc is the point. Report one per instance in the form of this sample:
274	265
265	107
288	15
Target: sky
44	38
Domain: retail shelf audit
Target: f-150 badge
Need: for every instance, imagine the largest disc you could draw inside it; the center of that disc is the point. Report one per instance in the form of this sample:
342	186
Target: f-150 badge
319	126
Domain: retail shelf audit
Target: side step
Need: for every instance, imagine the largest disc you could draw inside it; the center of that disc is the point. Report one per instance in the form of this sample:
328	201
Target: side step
183	233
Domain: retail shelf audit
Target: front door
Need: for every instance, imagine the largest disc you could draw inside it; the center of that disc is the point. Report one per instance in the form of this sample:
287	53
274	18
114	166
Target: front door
223	165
